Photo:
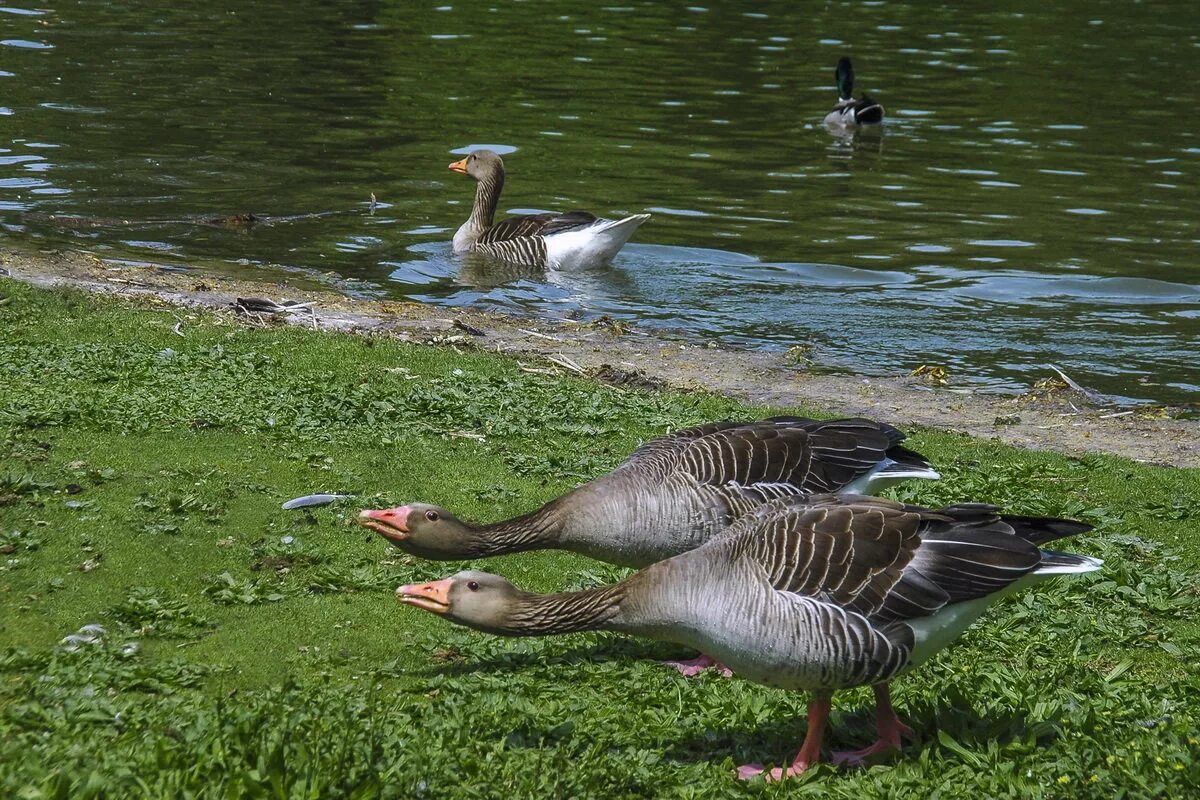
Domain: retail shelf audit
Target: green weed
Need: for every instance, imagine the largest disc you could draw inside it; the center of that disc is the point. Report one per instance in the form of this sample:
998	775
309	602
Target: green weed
262	655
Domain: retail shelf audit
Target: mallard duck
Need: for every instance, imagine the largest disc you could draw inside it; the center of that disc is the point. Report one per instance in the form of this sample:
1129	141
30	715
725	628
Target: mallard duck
571	240
816	594
850	113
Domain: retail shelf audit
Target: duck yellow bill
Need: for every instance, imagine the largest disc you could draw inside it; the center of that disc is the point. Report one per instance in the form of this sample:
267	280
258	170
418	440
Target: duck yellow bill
433	596
460	166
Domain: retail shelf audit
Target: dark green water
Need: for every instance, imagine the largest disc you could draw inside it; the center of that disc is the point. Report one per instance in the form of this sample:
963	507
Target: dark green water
1032	197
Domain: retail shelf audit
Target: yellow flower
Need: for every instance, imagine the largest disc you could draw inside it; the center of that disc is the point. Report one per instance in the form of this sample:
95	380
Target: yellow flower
1064	779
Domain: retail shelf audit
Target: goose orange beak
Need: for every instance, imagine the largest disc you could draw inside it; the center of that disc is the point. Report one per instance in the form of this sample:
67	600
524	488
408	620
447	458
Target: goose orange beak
433	596
390	523
460	166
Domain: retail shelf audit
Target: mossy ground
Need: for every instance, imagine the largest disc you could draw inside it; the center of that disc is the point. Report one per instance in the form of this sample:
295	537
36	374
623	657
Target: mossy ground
252	652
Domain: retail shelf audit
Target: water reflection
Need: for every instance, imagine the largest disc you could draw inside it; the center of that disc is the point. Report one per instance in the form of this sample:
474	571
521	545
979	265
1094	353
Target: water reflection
987	225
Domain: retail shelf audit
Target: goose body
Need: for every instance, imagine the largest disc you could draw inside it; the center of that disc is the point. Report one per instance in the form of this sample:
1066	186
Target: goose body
674	493
850	113
817	594
570	240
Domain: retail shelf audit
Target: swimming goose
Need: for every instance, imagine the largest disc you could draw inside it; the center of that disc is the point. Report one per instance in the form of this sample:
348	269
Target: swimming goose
818	594
850	113
674	492
573	240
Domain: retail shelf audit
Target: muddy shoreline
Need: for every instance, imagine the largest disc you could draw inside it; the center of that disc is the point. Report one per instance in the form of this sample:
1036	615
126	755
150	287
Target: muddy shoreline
1062	421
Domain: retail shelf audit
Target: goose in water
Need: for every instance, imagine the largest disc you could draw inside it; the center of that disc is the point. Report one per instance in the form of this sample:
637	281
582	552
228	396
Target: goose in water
673	494
815	594
850	113
572	240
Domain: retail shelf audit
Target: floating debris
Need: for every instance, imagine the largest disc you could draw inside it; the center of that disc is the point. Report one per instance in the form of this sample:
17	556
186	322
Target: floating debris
313	501
462	326
1091	395
566	362
627	378
933	374
265	305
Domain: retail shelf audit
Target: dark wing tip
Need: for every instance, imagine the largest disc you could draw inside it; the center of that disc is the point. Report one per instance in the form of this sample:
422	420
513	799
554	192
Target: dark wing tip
903	455
1039	530
868	112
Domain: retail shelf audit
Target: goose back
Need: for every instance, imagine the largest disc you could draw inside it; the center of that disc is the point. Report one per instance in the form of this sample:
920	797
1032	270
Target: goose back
676	492
838	591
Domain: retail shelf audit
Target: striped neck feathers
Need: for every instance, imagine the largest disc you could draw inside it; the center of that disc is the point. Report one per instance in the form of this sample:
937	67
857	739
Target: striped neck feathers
530	614
487	198
533	531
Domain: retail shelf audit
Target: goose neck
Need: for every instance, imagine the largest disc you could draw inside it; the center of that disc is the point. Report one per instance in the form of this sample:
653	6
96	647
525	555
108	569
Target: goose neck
487	198
534	531
564	612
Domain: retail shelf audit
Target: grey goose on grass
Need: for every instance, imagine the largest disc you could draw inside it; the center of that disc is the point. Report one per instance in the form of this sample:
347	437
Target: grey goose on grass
819	594
673	494
570	240
849	113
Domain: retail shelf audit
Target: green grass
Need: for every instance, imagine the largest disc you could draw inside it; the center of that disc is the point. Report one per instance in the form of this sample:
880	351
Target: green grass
252	652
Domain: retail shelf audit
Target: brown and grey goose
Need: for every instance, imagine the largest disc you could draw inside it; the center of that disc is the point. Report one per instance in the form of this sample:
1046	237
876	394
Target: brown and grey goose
673	494
571	240
816	594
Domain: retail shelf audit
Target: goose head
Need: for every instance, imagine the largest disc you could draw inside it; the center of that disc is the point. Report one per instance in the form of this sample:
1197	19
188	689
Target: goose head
479	165
478	600
423	530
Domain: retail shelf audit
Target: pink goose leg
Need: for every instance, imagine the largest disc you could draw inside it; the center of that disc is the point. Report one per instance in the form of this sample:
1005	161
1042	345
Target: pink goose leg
810	751
694	666
890	730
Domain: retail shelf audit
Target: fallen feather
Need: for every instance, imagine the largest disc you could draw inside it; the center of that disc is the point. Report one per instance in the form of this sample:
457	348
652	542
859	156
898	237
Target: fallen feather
565	363
313	500
539	335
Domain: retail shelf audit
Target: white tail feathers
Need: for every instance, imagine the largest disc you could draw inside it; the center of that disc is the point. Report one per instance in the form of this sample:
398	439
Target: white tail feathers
888	473
592	246
618	232
1067	564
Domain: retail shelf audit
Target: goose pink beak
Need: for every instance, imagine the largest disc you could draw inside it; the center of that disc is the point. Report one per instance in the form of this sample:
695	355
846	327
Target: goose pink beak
433	596
390	523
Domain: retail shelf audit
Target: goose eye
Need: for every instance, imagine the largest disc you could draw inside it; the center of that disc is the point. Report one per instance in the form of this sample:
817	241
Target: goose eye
432	516
473	586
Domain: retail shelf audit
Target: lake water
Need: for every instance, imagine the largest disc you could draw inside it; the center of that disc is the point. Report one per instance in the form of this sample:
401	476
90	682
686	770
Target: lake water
1031	199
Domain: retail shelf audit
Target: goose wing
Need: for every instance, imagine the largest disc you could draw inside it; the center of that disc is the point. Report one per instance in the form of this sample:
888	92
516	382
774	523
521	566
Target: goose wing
803	454
886	560
524	225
